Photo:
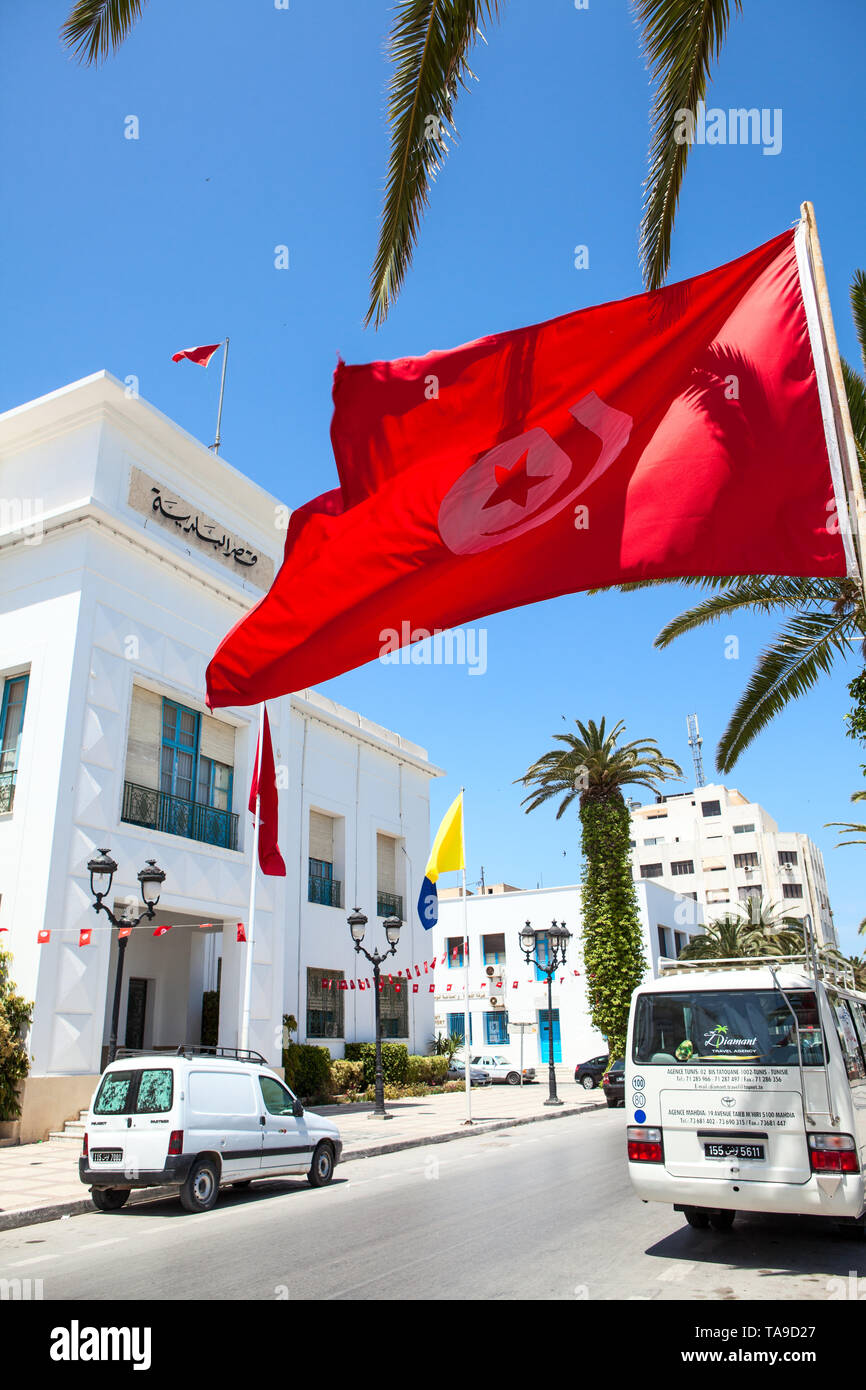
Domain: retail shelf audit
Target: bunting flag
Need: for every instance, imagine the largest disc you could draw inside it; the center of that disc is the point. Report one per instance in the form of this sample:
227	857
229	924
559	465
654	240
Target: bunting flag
200	355
242	936
684	432
125	931
84	936
43	935
161	931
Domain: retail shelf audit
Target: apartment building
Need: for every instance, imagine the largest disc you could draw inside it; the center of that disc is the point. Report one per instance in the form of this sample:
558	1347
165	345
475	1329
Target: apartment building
717	847
127	550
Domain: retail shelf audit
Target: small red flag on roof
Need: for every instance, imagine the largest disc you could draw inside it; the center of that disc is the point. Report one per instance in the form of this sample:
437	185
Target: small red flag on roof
200	355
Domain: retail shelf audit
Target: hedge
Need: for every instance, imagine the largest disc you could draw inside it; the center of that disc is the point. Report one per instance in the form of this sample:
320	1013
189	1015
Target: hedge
431	1070
346	1076
395	1061
307	1069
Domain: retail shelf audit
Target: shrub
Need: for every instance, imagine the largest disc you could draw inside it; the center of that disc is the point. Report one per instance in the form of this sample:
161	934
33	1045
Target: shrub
210	1018
395	1063
15	1018
353	1052
430	1070
307	1069
346	1076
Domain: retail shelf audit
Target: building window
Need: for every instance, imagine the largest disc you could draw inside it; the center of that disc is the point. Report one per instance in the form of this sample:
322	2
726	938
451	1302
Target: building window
743	829
752	890
792	890
656	840
322	887
494	949
456	1027
650	870
656	815
663	941
179	771
11	723
682	866
394	1006
496	1025
787	856
711	808
746	861
389	903
454	948
680	940
325	1004
718	895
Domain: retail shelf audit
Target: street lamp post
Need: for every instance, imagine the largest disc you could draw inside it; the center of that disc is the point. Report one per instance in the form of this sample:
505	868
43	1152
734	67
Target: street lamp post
102	869
358	926
558	938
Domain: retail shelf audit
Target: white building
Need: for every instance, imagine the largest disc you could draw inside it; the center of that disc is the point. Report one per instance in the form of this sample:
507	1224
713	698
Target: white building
127	550
498	970
717	847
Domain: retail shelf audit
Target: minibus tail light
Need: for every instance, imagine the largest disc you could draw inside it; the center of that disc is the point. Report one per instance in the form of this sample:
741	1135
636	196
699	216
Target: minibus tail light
85	1151
175	1141
833	1153
645	1144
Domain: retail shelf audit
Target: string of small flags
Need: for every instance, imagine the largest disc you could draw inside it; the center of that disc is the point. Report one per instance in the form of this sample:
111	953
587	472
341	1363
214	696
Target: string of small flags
85	934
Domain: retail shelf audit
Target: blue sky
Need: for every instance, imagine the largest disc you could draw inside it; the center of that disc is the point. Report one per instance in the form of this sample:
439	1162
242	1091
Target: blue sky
261	127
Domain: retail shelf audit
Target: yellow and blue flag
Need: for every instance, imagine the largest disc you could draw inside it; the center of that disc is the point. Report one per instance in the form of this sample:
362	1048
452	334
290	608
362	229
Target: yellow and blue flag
446	854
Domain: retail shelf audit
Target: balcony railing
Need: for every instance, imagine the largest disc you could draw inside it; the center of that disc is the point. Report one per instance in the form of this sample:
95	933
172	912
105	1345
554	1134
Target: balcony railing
389	905
327	891
7	791
158	810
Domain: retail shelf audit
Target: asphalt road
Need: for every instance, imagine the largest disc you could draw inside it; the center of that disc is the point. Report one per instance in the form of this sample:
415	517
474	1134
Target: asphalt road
541	1212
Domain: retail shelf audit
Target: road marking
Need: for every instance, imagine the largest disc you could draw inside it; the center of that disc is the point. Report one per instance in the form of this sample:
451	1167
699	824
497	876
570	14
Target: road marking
675	1274
35	1260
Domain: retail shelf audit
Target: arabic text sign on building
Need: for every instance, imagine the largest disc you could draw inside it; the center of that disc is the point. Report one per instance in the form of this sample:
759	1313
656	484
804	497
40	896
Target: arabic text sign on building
195	528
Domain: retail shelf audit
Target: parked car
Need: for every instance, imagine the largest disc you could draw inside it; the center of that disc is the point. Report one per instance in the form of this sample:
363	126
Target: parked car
613	1084
457	1072
195	1120
498	1068
589	1074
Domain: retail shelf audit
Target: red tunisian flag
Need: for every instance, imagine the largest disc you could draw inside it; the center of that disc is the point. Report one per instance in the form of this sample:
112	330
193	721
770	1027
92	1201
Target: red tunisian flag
264	785
674	433
201	355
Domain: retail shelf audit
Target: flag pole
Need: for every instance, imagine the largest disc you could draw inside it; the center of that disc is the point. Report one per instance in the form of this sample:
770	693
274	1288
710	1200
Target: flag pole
216	444
244	1040
467	1071
855	501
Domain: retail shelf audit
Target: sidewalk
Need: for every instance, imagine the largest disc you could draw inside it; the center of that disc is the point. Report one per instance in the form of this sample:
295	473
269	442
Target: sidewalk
39	1182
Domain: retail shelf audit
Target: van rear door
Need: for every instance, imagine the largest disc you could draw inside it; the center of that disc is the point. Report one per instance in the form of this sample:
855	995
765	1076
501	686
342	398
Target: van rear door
754	1135
131	1120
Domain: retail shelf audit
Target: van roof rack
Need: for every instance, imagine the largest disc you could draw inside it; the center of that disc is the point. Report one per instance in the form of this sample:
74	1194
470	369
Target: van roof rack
236	1054
829	965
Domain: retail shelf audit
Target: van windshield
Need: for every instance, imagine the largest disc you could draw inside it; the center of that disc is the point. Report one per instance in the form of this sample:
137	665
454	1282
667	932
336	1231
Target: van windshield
729	1025
143	1091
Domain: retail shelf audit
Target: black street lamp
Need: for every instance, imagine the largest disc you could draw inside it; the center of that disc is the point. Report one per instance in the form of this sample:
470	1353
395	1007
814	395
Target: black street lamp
102	869
358	926
558	938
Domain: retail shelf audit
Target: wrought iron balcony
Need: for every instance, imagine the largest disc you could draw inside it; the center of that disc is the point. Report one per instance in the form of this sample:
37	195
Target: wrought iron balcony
389	905
327	891
7	791
156	810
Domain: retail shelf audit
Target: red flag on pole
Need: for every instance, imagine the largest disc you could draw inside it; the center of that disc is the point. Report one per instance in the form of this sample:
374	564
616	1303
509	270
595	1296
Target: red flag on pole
622	442
199	355
242	936
265	781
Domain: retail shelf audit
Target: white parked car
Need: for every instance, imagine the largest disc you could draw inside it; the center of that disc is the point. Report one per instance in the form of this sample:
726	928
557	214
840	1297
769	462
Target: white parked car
196	1120
499	1068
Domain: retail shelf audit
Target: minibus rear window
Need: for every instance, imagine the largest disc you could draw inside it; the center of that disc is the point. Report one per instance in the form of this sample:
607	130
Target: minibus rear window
737	1026
147	1091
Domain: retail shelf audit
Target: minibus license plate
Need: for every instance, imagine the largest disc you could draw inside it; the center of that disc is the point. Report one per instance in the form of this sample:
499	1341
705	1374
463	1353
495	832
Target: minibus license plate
727	1150
106	1155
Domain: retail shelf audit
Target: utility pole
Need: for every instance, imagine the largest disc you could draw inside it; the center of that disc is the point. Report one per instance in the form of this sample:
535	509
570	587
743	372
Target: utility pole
695	742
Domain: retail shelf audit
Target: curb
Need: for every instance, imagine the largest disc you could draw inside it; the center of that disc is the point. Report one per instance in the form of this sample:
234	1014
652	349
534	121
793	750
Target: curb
33	1216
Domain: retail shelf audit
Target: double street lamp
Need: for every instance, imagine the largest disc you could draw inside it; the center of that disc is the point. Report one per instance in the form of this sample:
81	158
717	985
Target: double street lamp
358	926
557	939
102	869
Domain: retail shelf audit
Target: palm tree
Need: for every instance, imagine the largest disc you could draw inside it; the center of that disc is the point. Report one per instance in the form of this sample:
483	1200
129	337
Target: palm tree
827	617
852	828
757	931
430	43
593	767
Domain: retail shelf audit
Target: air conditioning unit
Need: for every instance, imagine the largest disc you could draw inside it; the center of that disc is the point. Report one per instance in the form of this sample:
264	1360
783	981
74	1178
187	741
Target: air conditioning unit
497	1002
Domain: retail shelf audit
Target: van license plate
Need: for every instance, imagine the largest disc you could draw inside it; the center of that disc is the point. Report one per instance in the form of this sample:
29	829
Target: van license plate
717	1150
106	1155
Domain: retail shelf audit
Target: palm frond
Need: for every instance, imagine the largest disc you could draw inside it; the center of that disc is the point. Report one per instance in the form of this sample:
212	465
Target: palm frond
757	593
801	652
429	43
96	27
681	41
858	309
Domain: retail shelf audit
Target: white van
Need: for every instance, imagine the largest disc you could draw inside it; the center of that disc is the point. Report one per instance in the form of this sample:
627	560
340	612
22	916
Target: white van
746	1088
195	1120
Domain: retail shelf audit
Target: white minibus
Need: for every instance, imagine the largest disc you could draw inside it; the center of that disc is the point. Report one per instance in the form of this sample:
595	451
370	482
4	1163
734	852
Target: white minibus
745	1089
